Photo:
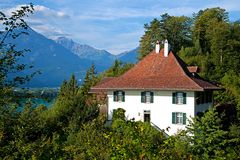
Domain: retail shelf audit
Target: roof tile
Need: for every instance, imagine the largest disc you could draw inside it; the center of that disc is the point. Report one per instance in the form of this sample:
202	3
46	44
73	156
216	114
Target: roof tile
156	72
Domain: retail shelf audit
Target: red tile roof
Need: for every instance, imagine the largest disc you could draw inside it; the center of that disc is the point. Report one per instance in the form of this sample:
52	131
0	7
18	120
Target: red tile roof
156	72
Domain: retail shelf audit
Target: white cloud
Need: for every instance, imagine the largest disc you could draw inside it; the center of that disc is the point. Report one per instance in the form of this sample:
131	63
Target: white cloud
49	31
48	13
47	21
44	20
117	13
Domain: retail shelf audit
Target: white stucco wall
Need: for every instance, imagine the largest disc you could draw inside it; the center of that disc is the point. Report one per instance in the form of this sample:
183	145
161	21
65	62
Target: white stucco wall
161	110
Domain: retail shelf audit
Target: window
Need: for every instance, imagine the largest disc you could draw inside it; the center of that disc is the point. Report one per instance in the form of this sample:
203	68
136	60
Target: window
203	97
147	97
119	96
179	98
178	118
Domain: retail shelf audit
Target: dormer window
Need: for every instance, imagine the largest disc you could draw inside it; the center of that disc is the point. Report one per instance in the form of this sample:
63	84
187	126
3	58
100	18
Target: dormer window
119	96
147	97
179	98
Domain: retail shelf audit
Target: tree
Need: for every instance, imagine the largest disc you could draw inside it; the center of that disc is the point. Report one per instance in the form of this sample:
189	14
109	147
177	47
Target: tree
175	29
208	139
203	24
9	56
70	109
152	35
11	133
118	68
90	80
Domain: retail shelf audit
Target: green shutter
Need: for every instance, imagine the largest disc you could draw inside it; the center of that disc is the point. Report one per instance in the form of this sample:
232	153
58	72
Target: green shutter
173	117
184	98
184	118
143	97
123	96
152	95
115	96
174	98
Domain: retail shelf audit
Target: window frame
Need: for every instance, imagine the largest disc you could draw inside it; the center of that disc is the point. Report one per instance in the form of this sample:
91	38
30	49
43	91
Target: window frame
147	97
117	97
179	118
176	99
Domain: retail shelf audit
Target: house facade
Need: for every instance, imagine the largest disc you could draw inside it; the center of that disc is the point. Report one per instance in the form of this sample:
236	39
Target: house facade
160	89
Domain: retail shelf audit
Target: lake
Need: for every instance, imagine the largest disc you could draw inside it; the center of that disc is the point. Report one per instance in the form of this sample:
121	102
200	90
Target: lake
38	101
37	96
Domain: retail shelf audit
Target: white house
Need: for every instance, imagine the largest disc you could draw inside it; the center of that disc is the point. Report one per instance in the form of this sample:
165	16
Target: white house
160	89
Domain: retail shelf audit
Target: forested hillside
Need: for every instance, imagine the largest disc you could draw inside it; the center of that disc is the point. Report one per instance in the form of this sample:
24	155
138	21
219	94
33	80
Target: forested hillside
73	128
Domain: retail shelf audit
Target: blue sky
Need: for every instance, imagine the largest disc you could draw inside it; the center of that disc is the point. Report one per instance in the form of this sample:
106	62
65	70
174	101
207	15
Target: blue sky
113	25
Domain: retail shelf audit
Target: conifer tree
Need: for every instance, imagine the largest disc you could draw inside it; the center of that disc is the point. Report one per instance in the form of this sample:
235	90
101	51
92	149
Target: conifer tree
90	80
208	139
177	30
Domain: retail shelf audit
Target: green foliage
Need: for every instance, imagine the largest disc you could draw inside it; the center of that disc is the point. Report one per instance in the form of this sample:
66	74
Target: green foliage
90	142
134	140
231	83
176	147
21	132
204	23
209	139
117	69
119	114
175	29
151	36
216	51
90	80
70	109
207	136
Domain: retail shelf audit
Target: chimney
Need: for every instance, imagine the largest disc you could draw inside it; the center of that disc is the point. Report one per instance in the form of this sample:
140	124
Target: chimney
166	48
157	48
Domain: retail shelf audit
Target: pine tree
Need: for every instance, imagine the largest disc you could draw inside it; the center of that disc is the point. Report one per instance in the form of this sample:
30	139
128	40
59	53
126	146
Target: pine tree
90	80
207	138
151	36
177	30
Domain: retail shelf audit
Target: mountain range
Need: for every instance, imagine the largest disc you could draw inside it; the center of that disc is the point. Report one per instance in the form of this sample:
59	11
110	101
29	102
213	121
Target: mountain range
59	59
101	58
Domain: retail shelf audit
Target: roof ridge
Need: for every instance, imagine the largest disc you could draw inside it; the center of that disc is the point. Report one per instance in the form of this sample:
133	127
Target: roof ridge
185	70
140	61
155	71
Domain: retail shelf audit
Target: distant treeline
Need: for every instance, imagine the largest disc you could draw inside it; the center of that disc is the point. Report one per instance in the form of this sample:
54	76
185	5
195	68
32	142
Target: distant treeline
41	93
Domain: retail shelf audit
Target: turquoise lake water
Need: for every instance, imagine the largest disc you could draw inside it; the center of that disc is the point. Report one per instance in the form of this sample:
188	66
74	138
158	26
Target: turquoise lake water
37	101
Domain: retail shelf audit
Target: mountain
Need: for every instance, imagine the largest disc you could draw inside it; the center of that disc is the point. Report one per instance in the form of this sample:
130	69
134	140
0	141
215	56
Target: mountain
58	60
103	58
55	62
129	56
